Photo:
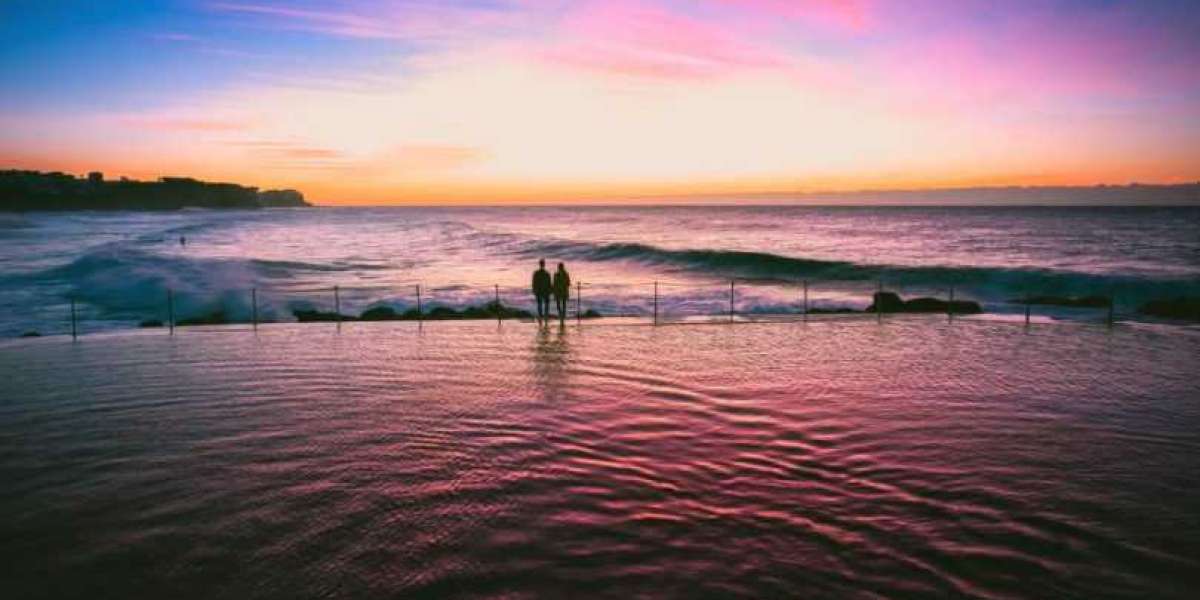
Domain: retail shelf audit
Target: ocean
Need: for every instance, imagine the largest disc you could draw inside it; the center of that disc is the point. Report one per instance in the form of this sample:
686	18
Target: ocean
835	458
907	456
118	266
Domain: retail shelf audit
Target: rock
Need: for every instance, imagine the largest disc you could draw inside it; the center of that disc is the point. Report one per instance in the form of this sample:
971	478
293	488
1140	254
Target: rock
1066	301
443	313
590	313
886	302
31	334
151	323
491	310
316	316
1174	308
937	305
892	303
379	313
216	318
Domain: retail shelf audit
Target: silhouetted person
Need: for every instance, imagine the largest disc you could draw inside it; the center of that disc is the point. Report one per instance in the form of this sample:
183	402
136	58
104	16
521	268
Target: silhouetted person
542	287
182	241
562	291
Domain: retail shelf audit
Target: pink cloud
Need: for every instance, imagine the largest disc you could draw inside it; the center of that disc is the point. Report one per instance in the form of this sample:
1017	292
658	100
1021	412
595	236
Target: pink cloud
431	157
395	20
853	16
292	154
630	39
1035	58
340	23
182	123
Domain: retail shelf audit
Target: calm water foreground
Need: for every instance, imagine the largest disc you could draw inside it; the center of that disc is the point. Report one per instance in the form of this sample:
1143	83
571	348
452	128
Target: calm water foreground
828	459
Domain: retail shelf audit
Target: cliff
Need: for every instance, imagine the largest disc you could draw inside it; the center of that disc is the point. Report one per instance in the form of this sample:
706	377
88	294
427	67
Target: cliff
34	190
281	198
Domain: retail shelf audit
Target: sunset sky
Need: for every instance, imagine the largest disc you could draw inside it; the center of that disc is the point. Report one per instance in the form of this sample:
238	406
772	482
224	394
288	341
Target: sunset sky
495	100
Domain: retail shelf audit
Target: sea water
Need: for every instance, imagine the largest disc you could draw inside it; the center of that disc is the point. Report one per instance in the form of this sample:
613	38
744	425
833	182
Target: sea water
119	266
834	458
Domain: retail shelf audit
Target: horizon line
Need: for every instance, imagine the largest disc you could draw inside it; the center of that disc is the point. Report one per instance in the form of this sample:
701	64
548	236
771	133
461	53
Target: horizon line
542	195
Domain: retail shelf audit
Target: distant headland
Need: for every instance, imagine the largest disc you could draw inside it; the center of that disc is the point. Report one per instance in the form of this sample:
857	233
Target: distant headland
35	190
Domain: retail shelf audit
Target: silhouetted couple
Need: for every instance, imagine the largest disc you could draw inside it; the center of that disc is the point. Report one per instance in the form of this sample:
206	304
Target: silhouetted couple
544	286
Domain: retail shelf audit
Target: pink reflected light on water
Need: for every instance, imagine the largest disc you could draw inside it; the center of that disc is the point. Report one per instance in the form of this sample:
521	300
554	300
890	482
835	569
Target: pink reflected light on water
840	457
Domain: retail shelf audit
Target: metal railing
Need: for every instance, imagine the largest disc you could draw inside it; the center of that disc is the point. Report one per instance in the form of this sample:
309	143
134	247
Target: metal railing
655	293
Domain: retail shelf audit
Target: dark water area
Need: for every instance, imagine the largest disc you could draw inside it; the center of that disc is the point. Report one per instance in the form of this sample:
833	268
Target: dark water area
834	459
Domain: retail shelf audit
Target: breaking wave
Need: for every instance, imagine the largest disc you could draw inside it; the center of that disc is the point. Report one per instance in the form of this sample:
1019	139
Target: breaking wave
989	283
125	280
120	267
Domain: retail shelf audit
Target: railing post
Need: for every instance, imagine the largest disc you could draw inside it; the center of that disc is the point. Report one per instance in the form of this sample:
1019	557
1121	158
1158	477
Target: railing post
656	302
578	302
337	305
254	307
170	312
805	299
730	300
879	302
420	317
499	311
950	305
74	331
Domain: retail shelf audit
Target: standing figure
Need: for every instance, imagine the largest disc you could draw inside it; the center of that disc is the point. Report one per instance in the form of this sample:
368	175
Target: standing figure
542	288
562	291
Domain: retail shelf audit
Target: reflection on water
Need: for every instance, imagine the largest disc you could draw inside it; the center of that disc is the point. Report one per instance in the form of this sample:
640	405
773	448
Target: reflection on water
551	359
912	458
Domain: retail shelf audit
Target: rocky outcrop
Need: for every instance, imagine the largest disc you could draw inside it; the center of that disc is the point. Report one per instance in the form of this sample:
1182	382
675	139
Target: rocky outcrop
839	310
491	310
891	302
1067	301
1187	308
214	318
281	199
317	316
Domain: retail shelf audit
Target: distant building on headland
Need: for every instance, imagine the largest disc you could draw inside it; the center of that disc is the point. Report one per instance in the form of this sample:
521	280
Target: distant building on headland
35	190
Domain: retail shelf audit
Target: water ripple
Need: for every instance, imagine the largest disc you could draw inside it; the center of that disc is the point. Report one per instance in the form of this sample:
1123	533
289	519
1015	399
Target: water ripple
913	458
